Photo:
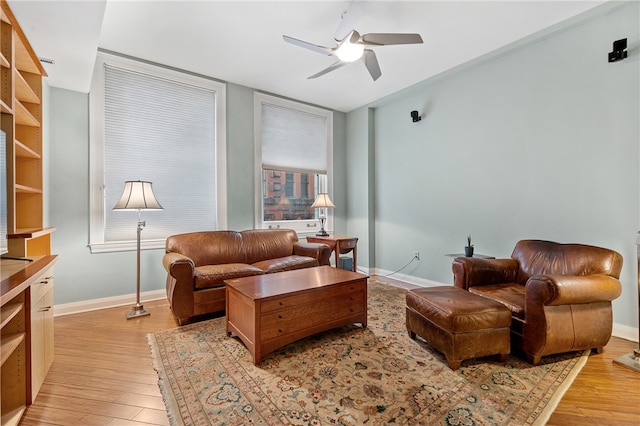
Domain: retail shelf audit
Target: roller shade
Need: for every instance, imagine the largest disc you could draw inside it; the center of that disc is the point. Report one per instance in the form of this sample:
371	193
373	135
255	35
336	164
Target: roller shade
161	131
293	140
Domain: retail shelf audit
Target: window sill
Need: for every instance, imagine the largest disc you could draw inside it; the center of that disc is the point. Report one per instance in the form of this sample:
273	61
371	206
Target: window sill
126	246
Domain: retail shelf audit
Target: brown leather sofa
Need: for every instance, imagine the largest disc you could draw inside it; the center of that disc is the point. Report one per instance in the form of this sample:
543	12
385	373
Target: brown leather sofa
198	263
559	294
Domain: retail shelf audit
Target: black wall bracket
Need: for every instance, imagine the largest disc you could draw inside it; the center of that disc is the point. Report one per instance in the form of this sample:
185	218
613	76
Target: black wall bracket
619	52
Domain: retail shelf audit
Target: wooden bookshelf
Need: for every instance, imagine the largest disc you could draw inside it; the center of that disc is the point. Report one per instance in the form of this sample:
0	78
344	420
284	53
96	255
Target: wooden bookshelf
26	289
21	106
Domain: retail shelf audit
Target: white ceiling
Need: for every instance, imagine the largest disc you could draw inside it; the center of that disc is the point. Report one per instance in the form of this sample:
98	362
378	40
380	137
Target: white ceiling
241	41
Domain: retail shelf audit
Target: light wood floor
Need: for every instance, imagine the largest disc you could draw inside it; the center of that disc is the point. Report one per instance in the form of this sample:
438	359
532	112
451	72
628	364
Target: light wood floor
103	375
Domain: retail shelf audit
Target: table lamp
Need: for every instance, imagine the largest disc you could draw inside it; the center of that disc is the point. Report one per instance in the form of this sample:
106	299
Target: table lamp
322	202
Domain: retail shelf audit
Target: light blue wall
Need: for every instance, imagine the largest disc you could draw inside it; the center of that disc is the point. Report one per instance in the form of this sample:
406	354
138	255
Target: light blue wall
541	141
240	158
537	142
82	276
360	175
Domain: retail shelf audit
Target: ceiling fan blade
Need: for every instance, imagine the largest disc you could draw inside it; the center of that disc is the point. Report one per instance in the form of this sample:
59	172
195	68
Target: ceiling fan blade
349	19
320	49
371	62
383	39
329	69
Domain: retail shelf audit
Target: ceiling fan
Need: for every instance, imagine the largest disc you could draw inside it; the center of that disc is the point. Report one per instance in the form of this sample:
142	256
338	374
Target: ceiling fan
351	46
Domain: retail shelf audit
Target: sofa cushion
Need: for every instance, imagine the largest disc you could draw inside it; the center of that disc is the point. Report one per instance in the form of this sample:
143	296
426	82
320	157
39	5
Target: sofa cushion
265	244
208	276
510	294
211	247
286	263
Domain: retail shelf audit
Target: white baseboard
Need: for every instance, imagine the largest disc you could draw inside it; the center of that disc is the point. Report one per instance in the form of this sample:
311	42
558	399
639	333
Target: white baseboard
382	273
106	302
625	332
619	330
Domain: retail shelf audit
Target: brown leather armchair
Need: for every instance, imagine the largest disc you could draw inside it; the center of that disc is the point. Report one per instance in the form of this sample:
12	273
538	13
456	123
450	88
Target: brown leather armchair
559	294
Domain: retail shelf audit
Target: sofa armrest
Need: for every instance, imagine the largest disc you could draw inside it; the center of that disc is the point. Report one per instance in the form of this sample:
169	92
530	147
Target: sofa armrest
555	290
473	271
178	266
180	285
319	251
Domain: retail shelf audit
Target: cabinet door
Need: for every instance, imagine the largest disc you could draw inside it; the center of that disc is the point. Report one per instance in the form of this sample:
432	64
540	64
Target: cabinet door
47	318
37	348
41	330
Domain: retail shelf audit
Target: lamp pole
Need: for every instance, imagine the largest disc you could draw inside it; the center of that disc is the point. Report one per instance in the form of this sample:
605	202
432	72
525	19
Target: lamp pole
138	309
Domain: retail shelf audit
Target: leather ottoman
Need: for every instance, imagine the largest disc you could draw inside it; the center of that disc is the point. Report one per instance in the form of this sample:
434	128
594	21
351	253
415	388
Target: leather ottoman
459	324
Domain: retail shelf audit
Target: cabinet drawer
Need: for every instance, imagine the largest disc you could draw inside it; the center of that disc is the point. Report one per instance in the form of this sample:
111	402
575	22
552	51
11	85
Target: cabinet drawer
42	285
306	316
296	300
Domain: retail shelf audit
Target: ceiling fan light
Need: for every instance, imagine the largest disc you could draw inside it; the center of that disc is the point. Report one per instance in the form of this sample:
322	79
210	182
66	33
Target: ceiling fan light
349	52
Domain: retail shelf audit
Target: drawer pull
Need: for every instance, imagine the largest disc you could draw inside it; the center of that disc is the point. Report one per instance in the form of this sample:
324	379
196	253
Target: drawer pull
44	282
279	316
45	309
281	304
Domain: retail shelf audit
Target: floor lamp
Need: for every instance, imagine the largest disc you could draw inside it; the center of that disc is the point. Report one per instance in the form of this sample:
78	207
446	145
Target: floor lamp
632	360
138	195
322	202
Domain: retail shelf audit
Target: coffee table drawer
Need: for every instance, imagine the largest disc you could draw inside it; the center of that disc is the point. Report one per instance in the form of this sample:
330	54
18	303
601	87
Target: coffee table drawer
306	316
295	300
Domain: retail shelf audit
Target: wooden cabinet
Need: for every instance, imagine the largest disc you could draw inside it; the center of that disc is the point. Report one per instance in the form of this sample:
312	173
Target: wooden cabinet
21	106
41	330
26	298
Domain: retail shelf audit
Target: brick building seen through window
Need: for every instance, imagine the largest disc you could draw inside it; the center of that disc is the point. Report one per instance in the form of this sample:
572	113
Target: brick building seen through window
289	195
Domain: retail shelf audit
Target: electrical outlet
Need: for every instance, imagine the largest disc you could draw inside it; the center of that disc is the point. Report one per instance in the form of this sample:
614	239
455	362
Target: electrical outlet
416	255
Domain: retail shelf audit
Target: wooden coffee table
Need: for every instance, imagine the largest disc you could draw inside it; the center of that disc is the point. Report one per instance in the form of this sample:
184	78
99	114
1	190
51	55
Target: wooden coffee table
269	311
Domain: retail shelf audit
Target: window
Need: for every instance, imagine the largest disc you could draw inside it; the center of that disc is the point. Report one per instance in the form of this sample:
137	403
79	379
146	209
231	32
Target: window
288	186
159	125
293	162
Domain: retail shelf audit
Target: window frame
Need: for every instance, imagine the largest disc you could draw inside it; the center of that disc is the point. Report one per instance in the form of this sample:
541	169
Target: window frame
302	227
97	243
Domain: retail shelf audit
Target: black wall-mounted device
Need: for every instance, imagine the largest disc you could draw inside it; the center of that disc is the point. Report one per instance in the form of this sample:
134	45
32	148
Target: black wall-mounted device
619	52
415	116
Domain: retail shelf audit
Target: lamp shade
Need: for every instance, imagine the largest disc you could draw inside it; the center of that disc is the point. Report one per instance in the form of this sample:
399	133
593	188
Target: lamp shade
137	195
322	200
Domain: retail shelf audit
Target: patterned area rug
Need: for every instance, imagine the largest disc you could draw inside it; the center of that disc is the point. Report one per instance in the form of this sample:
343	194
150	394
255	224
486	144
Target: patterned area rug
350	376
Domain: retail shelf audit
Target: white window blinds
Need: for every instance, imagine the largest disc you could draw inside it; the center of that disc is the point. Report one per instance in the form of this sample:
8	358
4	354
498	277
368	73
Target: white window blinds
293	140
161	131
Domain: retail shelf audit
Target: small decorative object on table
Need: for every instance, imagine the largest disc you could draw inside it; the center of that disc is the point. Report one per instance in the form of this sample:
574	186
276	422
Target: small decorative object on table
468	250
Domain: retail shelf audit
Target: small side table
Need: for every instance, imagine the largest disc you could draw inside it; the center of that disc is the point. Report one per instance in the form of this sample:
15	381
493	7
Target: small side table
476	255
340	244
